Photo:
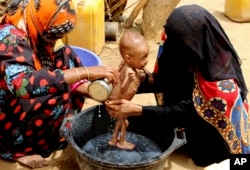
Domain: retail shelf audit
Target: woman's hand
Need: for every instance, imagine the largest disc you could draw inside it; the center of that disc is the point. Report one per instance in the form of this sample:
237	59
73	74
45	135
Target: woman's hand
110	73
76	74
123	108
142	75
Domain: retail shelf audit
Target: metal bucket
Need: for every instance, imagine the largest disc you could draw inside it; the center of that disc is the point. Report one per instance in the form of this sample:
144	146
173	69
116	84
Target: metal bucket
100	89
95	121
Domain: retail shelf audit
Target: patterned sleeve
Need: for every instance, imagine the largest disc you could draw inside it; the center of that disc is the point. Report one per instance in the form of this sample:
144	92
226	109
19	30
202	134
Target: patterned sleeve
17	68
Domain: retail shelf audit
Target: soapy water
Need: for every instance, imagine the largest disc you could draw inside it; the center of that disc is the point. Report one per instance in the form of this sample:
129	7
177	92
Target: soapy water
145	149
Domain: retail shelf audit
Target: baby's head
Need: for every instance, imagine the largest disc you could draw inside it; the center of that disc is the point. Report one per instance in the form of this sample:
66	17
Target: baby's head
134	49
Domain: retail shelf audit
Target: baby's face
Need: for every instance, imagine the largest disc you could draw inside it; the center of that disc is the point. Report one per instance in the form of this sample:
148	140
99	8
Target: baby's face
139	57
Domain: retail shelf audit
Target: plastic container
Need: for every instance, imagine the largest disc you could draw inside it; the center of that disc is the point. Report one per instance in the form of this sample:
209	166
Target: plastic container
95	121
89	31
87	57
238	10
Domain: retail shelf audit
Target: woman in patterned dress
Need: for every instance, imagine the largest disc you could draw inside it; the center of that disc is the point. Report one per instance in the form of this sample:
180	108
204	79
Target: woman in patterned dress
39	86
203	88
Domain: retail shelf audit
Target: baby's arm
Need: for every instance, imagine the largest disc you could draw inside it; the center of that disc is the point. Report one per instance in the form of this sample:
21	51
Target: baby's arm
129	85
128	80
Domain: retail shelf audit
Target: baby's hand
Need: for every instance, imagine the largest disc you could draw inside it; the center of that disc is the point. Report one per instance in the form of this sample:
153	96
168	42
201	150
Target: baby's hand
142	75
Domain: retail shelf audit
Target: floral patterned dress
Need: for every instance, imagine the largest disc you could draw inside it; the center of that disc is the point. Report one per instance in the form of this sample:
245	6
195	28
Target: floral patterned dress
33	102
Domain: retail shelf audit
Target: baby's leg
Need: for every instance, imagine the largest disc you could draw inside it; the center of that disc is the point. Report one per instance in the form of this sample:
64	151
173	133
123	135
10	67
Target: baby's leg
126	122
122	143
115	135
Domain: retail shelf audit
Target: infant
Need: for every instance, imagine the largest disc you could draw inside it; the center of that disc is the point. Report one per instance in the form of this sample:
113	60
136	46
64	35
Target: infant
134	50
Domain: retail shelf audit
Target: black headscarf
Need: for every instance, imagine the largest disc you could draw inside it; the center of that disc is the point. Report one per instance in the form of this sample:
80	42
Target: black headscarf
196	40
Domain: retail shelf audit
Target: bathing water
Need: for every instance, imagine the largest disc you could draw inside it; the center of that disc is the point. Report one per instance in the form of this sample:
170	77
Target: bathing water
145	149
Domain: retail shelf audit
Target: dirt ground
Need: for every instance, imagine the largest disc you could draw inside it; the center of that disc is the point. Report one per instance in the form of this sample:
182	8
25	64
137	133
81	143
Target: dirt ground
238	34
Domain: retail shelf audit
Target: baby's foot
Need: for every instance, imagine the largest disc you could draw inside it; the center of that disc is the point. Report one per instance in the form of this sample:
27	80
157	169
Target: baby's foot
112	142
125	145
33	161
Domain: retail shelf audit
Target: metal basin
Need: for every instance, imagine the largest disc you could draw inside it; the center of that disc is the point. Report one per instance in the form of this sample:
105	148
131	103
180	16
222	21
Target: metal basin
94	122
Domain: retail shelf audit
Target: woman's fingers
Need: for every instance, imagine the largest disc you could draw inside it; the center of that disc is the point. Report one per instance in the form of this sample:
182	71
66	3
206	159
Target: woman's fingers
110	73
113	75
113	102
113	107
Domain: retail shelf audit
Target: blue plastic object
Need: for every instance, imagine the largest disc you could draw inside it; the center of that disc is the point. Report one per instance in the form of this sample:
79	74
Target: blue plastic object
87	57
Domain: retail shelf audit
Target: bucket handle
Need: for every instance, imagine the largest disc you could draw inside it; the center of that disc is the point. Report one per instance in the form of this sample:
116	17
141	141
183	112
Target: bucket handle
177	142
65	129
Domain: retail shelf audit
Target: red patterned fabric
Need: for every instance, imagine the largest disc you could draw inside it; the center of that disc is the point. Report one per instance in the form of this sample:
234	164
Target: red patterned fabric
44	21
221	105
34	96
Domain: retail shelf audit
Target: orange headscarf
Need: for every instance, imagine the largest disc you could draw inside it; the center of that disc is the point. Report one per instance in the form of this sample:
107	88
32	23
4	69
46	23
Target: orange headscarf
44	21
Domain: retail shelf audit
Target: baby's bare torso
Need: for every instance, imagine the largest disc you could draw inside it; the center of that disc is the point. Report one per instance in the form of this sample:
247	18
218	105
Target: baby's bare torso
128	84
